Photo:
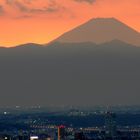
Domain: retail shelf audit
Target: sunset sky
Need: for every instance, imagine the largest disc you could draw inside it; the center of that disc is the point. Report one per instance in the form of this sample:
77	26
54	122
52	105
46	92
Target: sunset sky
40	21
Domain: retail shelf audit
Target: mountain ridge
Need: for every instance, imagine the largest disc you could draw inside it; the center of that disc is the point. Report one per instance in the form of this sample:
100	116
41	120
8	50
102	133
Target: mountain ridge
65	74
101	30
56	43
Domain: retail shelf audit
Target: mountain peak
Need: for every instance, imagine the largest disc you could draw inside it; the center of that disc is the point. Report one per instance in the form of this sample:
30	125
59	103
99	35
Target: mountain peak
103	19
106	21
100	30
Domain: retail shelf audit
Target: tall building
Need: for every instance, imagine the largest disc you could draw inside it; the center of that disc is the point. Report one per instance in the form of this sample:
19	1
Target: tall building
61	132
110	124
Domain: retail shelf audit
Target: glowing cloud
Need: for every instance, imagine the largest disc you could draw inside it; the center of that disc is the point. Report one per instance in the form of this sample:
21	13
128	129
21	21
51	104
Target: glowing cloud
88	1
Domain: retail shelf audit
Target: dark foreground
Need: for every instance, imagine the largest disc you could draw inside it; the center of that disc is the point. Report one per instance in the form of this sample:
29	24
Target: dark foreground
70	125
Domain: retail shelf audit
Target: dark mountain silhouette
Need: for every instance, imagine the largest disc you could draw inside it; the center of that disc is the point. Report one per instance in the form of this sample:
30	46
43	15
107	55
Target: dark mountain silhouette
29	45
70	73
101	30
94	64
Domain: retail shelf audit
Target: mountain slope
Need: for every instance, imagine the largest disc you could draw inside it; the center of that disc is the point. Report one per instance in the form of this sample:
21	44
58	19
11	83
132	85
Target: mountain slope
102	30
70	74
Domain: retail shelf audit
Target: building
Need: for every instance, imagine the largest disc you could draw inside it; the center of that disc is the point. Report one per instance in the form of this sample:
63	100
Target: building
110	124
61	132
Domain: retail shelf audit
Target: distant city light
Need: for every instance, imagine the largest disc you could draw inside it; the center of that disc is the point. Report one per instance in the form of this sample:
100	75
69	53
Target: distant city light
34	138
5	113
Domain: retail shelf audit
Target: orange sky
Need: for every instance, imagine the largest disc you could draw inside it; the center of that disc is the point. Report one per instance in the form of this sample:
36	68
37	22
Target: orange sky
40	21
